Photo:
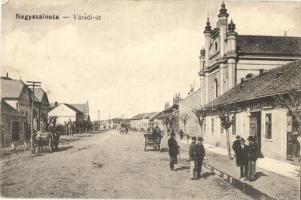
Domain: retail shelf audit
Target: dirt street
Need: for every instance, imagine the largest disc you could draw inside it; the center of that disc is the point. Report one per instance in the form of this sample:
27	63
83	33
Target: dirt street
106	165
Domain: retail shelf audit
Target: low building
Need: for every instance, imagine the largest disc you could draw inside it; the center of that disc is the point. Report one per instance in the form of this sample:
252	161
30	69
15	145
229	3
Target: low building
84	108
18	96
188	121
66	113
263	107
141	122
42	108
12	125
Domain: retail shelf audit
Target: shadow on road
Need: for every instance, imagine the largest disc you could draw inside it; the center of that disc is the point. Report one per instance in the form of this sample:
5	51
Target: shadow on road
207	174
258	175
63	148
163	149
182	168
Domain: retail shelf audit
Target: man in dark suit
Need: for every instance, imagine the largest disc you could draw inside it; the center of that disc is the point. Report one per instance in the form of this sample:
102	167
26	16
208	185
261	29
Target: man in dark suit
242	158
191	158
199	155
173	150
235	147
252	157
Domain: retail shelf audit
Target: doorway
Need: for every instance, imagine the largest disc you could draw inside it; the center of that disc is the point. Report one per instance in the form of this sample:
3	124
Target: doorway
255	129
293	147
15	131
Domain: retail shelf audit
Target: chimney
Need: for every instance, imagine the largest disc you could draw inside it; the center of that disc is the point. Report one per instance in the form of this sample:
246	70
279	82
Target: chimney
56	104
242	81
7	75
261	72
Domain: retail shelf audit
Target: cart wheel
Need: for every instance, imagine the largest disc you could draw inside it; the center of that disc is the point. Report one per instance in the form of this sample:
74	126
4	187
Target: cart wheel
50	146
32	148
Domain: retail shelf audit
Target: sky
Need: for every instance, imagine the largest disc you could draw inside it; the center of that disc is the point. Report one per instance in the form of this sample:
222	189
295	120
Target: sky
133	60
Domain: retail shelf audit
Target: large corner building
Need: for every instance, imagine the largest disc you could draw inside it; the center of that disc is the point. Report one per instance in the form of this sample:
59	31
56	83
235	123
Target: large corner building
231	65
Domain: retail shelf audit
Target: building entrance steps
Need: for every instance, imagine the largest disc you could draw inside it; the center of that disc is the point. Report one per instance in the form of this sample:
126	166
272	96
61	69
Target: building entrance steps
275	179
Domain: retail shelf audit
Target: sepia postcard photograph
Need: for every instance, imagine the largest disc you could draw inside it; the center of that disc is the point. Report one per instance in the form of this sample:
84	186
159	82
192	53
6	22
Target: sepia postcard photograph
150	99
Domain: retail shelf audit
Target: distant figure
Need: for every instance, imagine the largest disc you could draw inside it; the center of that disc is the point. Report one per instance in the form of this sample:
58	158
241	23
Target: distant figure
173	150
235	147
192	159
252	157
154	131
181	134
199	156
158	134
242	158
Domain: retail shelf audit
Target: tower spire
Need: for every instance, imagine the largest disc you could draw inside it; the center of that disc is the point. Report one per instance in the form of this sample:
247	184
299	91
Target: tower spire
223	11
207	27
231	26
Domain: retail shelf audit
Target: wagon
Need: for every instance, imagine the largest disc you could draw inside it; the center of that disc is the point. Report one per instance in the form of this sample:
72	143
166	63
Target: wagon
40	140
152	140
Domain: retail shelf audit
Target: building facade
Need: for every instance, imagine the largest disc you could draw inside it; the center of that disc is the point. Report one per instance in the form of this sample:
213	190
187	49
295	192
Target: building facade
18	96
228	62
12	126
141	122
66	113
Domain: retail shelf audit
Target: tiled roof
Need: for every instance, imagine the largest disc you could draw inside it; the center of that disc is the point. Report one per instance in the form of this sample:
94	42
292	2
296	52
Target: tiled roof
73	108
269	45
11	88
81	107
142	116
39	92
279	80
7	109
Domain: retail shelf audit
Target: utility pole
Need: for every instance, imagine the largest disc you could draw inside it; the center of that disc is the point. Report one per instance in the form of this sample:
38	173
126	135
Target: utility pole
33	85
98	112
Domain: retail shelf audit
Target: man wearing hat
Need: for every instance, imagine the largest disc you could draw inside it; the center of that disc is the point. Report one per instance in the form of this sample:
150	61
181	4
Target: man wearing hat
173	150
199	156
235	147
191	158
252	157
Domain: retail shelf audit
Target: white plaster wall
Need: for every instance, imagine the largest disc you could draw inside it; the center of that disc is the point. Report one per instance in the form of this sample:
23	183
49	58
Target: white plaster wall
276	146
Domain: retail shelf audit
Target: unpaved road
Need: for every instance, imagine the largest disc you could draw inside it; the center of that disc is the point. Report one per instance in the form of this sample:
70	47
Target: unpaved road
106	165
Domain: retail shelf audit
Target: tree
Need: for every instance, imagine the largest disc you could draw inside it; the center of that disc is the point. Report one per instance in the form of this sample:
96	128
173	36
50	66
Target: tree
171	119
201	116
184	118
227	119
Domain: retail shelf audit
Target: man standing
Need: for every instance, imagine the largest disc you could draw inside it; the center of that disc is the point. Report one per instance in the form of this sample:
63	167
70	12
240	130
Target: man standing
235	147
252	157
173	150
191	158
199	156
242	158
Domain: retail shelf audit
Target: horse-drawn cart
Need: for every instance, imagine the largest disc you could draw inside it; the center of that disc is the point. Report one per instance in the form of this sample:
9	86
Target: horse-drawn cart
152	140
40	140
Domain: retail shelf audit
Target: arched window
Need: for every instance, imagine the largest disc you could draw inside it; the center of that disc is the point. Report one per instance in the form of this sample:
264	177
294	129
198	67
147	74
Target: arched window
215	87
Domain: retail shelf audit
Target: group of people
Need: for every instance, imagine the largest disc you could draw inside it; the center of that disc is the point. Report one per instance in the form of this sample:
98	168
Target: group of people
196	155
246	156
